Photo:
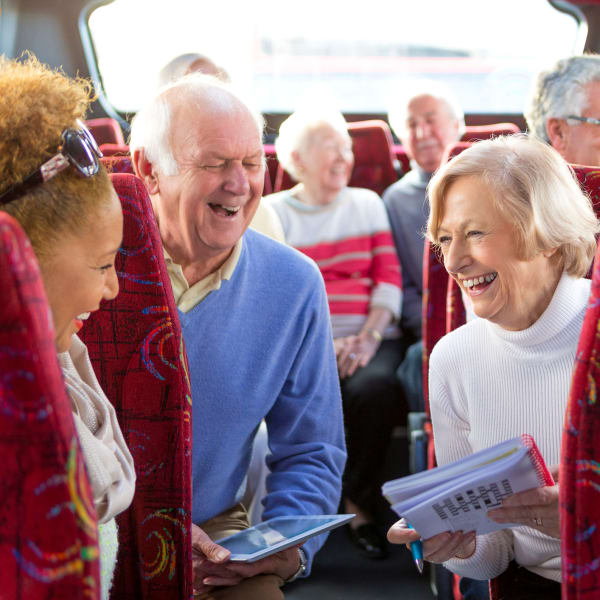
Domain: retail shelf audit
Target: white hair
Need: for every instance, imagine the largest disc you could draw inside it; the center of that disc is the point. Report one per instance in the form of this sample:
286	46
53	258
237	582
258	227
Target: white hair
151	127
296	130
179	66
398	113
560	92
534	188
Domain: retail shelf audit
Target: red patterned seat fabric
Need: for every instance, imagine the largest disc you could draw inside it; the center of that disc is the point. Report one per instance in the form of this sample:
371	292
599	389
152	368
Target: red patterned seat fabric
48	528
580	455
117	164
106	131
136	347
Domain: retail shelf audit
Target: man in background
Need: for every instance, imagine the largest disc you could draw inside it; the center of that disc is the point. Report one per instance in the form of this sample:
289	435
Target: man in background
564	109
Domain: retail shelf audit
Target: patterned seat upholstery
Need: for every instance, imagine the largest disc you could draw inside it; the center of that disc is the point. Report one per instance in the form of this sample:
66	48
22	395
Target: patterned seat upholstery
48	527
137	350
580	458
106	131
117	164
375	164
580	462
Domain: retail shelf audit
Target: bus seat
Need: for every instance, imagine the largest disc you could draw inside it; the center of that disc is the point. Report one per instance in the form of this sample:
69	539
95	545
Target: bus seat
136	347
589	179
374	159
580	456
484	132
455	149
403	162
48	526
117	164
272	165
375	165
106	131
114	149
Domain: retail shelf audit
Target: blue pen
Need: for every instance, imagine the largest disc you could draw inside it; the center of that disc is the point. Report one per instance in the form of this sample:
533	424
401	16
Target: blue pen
416	549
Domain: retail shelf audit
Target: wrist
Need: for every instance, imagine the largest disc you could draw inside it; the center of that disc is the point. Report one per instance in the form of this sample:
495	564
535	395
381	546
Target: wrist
302	564
373	334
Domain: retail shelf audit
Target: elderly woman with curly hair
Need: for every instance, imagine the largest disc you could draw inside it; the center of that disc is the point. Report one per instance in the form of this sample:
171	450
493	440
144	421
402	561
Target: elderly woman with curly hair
51	182
518	236
346	231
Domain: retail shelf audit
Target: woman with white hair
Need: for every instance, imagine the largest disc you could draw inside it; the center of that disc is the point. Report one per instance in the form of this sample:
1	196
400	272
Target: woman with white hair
518	236
346	231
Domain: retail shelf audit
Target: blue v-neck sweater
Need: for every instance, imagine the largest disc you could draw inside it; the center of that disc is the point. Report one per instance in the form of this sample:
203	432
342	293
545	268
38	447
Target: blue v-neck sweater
261	347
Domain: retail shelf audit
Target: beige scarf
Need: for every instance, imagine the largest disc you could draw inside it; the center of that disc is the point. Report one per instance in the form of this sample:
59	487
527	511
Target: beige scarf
107	458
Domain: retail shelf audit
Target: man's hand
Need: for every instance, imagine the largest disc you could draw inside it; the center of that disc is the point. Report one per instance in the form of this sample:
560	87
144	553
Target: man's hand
210	563
285	564
436	549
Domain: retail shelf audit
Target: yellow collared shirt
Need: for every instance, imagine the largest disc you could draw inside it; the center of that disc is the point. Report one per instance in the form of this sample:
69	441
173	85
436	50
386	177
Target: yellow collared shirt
186	296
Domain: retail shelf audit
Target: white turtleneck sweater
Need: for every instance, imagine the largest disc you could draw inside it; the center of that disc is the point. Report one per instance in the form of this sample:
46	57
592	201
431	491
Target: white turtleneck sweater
488	384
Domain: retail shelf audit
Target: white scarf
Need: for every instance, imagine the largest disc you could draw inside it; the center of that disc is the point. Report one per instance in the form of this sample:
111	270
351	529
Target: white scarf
108	460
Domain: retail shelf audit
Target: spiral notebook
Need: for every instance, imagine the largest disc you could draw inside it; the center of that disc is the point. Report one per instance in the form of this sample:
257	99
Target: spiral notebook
458	495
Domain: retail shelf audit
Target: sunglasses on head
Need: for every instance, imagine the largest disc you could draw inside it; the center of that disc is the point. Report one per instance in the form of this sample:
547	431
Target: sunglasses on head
77	148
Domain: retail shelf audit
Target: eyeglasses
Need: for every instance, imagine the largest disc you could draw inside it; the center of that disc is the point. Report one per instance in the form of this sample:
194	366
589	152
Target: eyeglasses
77	148
585	119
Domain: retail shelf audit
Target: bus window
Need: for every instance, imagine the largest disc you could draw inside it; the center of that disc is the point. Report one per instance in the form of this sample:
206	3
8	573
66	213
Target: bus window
281	52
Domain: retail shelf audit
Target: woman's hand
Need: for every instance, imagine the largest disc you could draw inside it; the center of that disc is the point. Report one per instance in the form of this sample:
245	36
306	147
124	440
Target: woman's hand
353	352
537	508
436	549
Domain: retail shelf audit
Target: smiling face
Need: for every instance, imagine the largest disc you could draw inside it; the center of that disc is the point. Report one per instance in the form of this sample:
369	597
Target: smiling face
79	272
480	249
429	129
326	160
206	208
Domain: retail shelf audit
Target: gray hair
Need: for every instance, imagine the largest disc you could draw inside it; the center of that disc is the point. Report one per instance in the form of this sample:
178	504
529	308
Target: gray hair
560	92
151	127
295	132
424	87
179	66
535	189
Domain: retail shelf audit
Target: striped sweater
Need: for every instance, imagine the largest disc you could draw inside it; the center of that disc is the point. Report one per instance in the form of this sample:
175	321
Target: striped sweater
351	242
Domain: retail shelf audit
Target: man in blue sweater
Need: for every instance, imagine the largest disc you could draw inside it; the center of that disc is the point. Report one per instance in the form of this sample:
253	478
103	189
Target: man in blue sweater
257	330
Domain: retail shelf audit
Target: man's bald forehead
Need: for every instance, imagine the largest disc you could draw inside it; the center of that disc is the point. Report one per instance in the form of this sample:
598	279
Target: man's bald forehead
200	94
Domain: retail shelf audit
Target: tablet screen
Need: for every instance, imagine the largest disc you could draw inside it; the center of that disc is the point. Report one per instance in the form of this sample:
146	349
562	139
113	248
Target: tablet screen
277	534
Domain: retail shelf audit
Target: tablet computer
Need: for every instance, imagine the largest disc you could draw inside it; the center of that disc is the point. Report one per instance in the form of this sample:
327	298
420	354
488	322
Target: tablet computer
278	534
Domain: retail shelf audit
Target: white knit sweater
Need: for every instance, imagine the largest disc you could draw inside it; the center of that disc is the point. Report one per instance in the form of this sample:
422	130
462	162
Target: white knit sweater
488	384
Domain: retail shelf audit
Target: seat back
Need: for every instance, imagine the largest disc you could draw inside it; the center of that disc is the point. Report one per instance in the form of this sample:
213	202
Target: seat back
484	132
580	457
117	164
375	164
374	159
136	347
106	131
114	149
48	527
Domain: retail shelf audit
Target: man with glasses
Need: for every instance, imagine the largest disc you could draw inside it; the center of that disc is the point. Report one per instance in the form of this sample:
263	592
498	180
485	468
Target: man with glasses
564	109
256	325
